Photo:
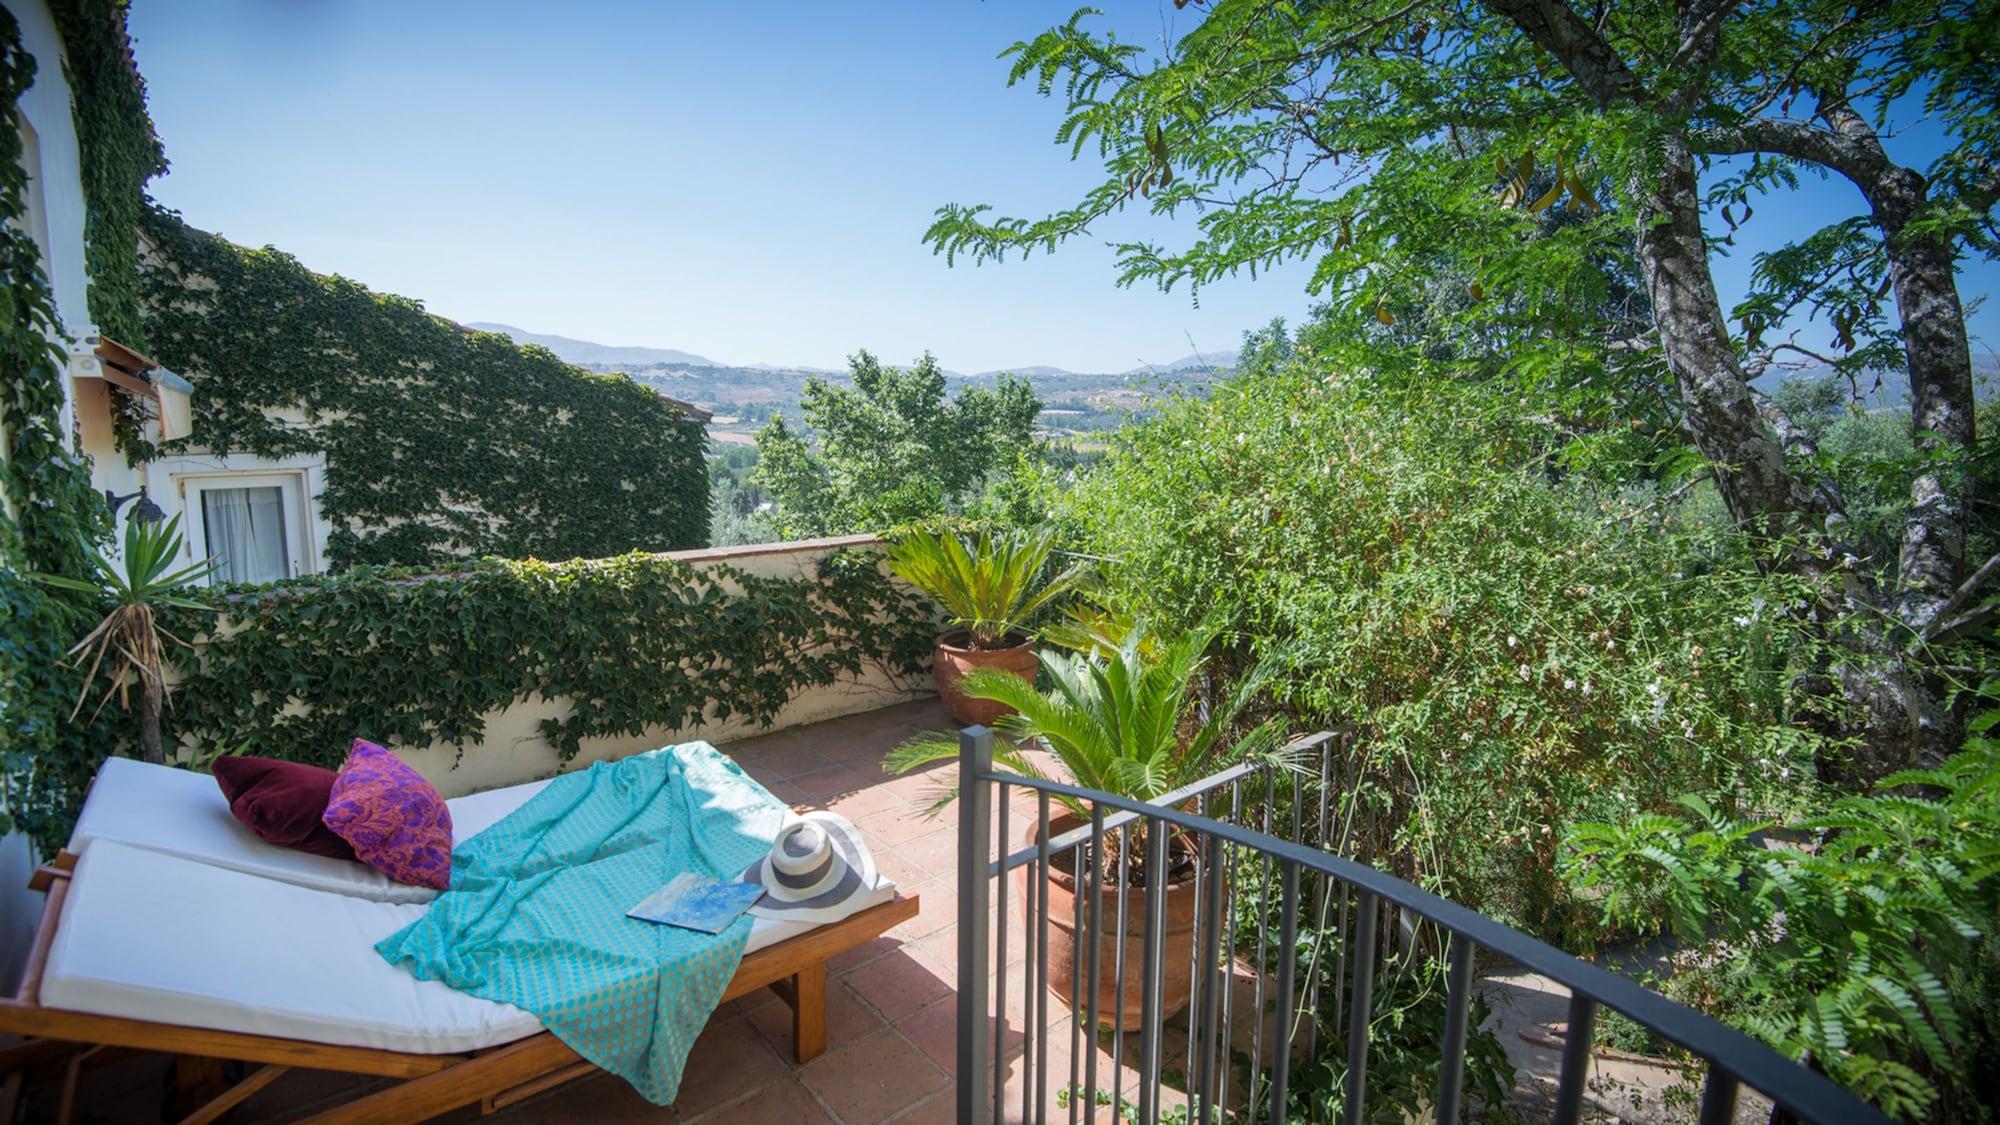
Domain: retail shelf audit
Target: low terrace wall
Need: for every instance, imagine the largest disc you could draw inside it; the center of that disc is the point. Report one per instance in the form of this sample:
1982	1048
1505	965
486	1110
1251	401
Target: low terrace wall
511	672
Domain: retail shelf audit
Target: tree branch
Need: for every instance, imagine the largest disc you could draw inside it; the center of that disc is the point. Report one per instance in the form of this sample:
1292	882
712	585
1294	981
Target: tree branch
1553	26
1941	623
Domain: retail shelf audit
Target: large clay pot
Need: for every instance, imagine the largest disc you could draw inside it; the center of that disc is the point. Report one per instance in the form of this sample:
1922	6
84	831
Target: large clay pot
1068	982
955	657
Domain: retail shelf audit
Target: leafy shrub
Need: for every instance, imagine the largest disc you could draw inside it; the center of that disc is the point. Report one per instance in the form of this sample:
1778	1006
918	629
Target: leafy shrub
1517	650
1867	954
890	449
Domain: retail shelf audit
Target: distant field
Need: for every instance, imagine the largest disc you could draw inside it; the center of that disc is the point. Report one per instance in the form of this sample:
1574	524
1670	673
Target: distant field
732	437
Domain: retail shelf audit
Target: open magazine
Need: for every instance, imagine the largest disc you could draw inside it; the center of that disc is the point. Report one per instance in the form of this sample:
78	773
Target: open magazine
697	902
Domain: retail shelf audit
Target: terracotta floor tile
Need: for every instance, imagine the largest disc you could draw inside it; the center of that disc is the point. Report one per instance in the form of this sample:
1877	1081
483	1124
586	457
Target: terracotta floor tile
941	1109
872	801
905	824
860	955
936	852
782	765
904	872
900	983
874	1079
847	1019
830	784
780	1103
730	1059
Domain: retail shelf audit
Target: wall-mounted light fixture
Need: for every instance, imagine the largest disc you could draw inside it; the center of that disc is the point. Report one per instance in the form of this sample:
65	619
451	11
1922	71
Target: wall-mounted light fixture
145	511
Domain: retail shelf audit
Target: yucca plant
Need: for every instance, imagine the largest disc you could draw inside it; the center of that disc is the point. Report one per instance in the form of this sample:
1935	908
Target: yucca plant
1119	719
990	585
129	645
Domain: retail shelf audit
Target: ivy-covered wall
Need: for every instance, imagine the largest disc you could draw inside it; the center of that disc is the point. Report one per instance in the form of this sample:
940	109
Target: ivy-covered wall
631	646
440	443
54	510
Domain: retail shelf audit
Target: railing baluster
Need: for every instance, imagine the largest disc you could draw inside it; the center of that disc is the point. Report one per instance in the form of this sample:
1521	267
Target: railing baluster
1041	994
1225	1061
1096	956
1458	999
1263	934
1196	937
1031	1032
1718	1096
1002	802
1203	1031
1356	1083
1576	1059
975	761
1152	971
1288	951
1075	969
1118	971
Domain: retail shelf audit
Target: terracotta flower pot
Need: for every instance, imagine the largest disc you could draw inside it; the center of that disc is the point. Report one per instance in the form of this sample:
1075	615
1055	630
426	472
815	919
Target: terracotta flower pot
954	657
1113	1002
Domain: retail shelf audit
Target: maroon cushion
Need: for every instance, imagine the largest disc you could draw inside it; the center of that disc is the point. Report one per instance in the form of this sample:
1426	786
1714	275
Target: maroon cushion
281	802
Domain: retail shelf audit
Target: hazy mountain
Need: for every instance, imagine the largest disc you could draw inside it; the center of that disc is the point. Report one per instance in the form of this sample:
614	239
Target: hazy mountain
1221	358
612	357
584	351
1042	372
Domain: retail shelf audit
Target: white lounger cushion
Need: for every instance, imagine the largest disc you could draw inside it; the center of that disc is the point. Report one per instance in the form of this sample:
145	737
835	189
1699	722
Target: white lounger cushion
183	813
150	936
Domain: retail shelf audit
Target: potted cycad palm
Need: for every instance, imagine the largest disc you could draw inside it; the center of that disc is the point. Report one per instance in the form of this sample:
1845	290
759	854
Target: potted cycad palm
1123	718
990	586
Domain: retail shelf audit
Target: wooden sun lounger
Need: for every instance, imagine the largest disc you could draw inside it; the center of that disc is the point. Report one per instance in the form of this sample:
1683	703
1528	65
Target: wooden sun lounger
431	1084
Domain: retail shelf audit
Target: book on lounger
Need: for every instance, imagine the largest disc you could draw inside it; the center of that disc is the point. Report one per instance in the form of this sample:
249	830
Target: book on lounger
697	902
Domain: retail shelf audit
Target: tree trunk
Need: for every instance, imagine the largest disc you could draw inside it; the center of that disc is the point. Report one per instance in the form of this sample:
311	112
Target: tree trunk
1721	415
1745	439
150	750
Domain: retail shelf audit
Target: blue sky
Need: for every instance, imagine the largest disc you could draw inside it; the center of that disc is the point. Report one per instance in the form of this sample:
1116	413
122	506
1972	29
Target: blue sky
745	181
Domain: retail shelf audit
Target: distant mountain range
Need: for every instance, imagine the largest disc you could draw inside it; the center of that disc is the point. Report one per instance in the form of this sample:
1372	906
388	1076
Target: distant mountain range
586	352
589	354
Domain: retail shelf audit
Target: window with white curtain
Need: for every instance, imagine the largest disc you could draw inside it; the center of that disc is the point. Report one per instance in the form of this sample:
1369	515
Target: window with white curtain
247	534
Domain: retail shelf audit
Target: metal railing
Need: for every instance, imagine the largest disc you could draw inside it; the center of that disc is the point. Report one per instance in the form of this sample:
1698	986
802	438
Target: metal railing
1232	879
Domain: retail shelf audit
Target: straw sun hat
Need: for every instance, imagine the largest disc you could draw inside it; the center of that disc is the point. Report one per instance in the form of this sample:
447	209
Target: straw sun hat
818	870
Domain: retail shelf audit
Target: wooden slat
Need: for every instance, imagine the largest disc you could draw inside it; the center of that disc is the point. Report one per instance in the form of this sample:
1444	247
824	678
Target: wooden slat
30	992
229	1098
82	1027
463	1084
526	1090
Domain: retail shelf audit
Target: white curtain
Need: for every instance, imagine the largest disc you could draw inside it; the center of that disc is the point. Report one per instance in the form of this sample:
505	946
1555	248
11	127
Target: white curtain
246	533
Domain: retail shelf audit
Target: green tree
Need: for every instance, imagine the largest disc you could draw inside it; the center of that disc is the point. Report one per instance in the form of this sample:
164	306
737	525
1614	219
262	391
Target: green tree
891	448
1371	137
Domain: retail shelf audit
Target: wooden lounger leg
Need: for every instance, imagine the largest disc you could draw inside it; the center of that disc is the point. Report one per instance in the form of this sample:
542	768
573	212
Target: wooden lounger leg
809	1012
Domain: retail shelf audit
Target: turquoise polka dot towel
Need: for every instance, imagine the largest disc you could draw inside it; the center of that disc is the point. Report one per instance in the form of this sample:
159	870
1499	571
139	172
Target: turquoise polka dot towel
535	916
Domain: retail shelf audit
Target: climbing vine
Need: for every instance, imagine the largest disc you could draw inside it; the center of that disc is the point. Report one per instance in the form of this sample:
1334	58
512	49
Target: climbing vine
440	443
119	153
51	511
299	669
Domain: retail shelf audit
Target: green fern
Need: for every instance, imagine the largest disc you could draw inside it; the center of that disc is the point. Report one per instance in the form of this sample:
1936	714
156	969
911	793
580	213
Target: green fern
1854	938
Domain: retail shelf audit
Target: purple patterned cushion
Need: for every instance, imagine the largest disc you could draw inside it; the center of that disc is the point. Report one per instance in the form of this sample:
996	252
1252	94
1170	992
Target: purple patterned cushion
394	818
